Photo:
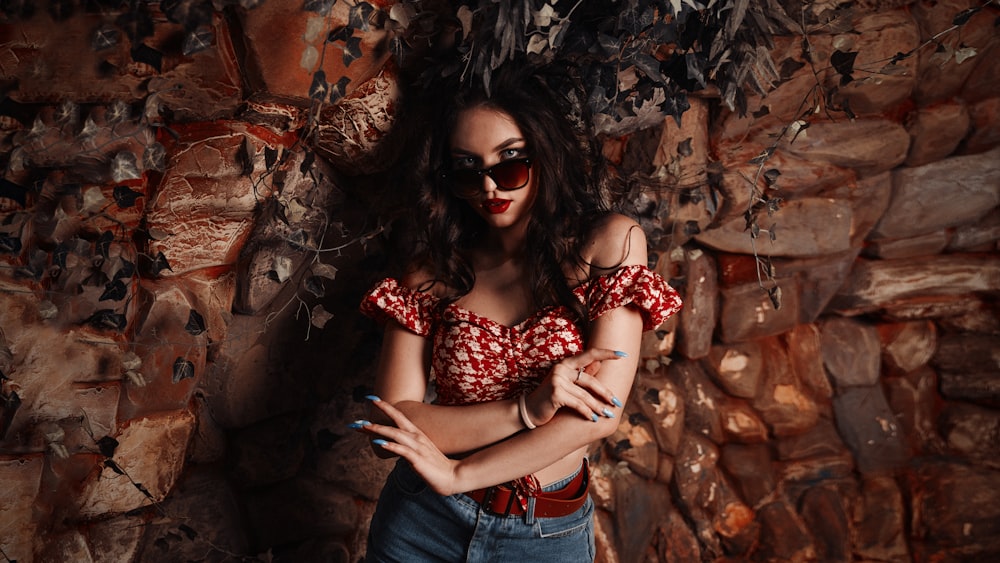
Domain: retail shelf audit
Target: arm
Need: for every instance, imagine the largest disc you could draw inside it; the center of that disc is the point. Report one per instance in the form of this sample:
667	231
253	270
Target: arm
529	452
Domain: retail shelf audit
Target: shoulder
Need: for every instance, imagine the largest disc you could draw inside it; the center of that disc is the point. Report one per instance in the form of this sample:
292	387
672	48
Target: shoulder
421	278
614	241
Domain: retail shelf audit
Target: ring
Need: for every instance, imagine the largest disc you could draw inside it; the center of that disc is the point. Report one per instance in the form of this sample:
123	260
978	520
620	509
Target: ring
579	372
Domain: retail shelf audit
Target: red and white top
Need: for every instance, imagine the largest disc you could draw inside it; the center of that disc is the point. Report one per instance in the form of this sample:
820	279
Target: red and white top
476	359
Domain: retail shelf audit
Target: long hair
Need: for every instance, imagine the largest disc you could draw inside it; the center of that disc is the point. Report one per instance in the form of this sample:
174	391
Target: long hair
565	160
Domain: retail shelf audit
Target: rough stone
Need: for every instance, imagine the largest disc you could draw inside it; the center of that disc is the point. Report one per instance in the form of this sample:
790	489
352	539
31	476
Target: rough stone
875	284
920	245
803	473
972	431
824	515
936	131
869	428
22	478
660	400
68	545
115	539
702	400
345	457
804	344
879	525
752	467
783	535
678	543
868	197
981	235
737	367
816	280
982	81
914	400
821	440
985	124
748	313
740	422
802	228
851	352
969	366
701	298
634	442
642	505
151	453
942	194
907	346
782	400
956	509
869	146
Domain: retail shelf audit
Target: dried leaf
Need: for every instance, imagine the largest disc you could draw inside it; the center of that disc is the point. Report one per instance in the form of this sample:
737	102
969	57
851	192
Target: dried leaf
281	267
195	324
319	88
963	54
319	6
319	316
106	37
197	41
359	14
107	446
114	291
183	369
123	167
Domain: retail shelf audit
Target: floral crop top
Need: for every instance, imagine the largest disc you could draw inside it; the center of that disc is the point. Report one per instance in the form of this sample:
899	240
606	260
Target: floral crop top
476	359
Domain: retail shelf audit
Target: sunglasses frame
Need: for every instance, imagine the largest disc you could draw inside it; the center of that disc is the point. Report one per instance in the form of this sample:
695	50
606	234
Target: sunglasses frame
481	172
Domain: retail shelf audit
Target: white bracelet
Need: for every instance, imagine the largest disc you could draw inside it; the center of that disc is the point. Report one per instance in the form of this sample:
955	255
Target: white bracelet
522	410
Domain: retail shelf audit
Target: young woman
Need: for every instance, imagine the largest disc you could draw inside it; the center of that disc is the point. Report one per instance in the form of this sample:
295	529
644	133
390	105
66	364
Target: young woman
522	313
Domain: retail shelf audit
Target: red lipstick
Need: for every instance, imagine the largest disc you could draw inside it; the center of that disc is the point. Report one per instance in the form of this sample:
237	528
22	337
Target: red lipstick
496	206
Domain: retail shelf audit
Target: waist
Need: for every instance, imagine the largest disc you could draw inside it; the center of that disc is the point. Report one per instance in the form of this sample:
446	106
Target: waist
561	498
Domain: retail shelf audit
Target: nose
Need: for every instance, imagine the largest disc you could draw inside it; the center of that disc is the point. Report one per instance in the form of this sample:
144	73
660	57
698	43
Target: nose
488	183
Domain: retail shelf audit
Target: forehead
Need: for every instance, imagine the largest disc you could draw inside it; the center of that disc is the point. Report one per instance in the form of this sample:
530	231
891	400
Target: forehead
482	130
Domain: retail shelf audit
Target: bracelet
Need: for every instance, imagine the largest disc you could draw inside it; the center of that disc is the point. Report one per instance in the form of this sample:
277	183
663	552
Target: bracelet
522	410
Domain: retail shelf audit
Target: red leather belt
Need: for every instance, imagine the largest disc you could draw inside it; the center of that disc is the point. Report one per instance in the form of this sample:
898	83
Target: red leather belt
502	500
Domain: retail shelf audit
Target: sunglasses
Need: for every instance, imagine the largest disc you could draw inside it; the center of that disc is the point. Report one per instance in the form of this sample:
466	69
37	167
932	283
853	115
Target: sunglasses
508	175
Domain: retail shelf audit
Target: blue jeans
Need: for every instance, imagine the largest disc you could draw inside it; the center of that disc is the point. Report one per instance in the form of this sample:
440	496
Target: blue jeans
414	524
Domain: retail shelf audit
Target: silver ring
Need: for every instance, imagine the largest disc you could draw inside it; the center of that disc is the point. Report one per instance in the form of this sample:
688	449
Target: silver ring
579	372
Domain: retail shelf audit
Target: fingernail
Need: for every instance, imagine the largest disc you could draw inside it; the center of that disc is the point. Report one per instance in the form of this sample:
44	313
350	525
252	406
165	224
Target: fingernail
379	442
621	354
593	417
373	397
616	402
608	413
359	424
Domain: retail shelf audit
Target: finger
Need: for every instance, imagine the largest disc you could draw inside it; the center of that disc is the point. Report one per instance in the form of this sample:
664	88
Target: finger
595	355
395	414
597	389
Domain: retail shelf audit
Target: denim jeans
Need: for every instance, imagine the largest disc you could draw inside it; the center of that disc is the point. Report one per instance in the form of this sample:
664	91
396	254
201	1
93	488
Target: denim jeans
414	524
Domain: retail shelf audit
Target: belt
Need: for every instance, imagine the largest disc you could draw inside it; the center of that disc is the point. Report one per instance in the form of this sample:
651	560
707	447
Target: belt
503	500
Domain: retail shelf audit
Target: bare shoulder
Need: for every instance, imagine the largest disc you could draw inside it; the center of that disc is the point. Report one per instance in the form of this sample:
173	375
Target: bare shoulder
615	241
421	278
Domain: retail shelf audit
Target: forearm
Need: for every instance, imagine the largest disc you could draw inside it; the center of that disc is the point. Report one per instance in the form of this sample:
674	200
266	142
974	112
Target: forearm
462	429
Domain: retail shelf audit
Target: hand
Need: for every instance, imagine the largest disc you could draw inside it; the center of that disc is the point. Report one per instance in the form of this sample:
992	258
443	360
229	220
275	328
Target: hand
408	441
571	383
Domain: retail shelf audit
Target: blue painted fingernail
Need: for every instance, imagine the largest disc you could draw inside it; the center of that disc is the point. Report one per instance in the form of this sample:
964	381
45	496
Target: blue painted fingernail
373	397
608	413
616	402
621	354
359	424
593	417
379	442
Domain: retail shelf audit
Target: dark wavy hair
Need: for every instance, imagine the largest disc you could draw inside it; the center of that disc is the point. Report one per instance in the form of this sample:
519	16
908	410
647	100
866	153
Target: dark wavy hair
547	106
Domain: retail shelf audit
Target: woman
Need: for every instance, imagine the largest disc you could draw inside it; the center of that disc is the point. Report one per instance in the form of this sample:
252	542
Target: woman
525	305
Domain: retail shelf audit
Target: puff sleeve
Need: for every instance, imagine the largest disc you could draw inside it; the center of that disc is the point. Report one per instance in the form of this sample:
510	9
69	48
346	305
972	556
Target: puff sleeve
637	286
414	310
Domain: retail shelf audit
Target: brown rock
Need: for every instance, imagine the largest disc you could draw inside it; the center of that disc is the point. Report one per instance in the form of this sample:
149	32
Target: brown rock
982	81
972	432
804	345
151	452
68	545
943	194
879	524
22	477
702	400
985	119
819	441
642	505
956	508
267	452
824	515
660	400
783	535
880	284
802	228
907	346
701	303
869	198
936	131
348	459
817	280
298	509
753	470
869	429
748	313
782	400
969	366
115	539
634	442
981	235
737	367
913	398
920	245
869	146
803	473
979	316
740	423
678	543
943	70
604	538
851	352
283	70
876	38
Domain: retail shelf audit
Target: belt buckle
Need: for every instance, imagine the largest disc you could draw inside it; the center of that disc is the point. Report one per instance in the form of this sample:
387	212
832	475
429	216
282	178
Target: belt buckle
490	496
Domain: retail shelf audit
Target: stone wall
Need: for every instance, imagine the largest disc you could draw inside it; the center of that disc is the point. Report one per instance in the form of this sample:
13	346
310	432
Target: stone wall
182	252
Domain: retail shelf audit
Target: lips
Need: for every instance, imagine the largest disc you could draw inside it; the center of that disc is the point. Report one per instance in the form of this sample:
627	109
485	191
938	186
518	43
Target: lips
496	206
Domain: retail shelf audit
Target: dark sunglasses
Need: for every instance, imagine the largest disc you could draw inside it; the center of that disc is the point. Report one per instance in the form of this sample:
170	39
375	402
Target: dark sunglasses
508	175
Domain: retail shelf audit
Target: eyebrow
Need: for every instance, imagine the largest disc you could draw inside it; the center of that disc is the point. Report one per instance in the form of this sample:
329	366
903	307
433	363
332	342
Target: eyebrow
504	145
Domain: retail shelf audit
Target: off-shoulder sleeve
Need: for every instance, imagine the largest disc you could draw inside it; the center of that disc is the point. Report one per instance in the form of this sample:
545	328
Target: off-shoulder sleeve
637	286
389	300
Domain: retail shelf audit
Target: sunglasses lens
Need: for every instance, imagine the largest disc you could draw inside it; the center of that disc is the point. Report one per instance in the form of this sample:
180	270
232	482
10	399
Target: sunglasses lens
466	182
511	175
